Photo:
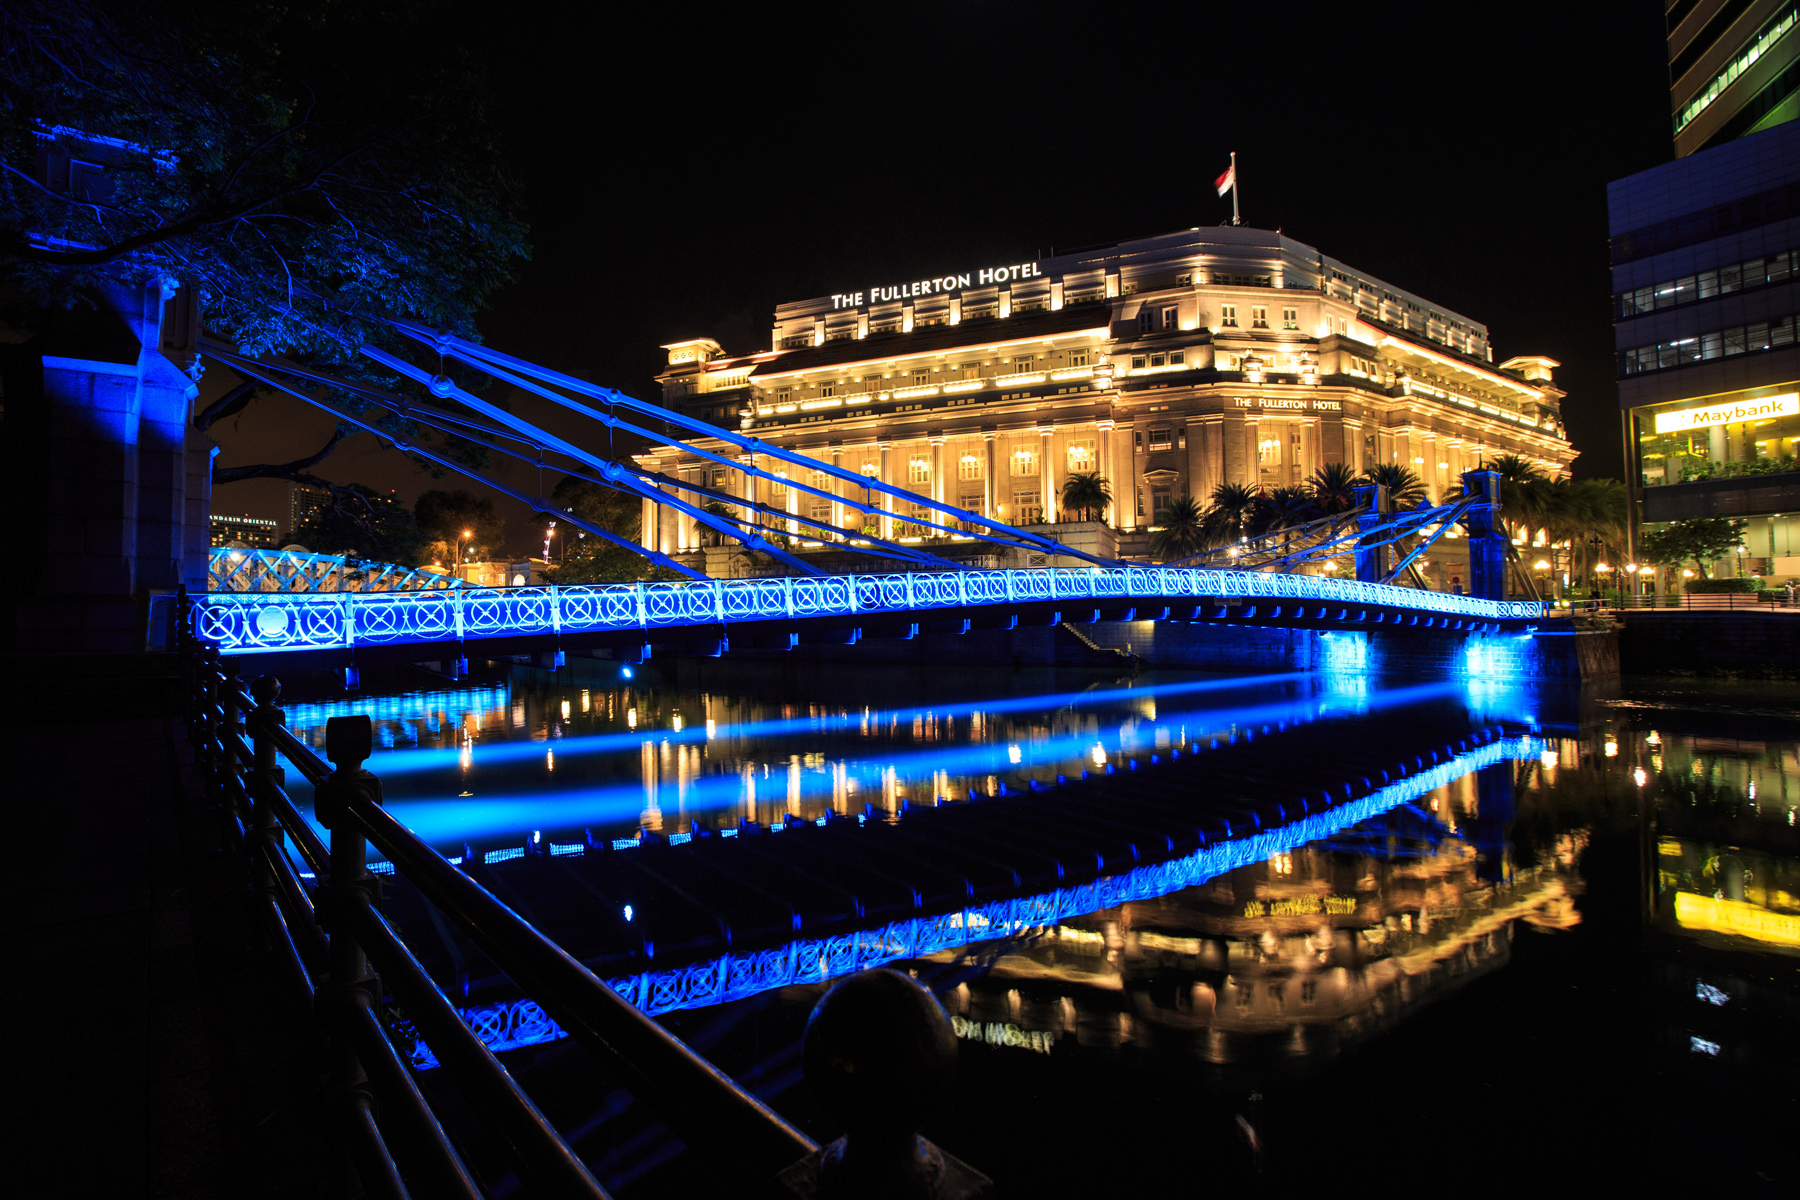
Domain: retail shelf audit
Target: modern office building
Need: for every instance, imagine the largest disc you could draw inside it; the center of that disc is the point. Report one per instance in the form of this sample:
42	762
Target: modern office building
1169	365
1734	69
1705	255
304	503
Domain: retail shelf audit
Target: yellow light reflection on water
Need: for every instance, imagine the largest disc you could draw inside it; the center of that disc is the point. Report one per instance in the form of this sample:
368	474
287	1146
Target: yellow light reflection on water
1736	918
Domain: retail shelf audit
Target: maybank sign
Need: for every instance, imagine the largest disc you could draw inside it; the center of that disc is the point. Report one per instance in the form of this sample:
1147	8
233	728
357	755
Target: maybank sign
1760	409
931	287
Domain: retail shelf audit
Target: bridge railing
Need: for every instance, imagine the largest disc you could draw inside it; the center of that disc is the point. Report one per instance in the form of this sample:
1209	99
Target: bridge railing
327	936
253	622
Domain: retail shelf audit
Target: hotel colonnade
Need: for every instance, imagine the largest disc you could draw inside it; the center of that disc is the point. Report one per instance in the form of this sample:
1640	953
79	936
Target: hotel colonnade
1168	365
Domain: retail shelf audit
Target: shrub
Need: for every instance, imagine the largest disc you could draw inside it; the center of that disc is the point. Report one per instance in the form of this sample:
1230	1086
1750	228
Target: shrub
1708	587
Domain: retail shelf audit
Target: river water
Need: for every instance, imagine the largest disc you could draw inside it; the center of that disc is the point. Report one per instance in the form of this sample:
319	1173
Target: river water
1579	964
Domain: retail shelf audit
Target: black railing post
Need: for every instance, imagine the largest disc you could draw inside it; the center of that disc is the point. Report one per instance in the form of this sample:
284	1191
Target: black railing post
348	742
263	823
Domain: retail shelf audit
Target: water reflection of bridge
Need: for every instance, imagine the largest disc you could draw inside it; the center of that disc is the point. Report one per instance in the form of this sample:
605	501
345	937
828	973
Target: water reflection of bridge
698	919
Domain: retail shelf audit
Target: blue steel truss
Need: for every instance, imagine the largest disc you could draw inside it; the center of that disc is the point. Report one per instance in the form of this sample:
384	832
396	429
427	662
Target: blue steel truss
250	623
729	977
235	570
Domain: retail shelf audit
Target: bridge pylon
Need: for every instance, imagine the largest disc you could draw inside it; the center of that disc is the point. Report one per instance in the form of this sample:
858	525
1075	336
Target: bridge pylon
1487	541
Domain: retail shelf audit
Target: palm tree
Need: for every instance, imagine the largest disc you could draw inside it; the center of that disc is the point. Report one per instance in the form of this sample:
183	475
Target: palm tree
1334	488
1282	508
1087	492
1184	530
1232	506
1405	488
713	508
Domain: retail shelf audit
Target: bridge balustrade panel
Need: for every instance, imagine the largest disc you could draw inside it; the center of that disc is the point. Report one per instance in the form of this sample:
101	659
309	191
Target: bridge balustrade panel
253	622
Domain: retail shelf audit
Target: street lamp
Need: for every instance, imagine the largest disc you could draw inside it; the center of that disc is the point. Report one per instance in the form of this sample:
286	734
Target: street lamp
467	534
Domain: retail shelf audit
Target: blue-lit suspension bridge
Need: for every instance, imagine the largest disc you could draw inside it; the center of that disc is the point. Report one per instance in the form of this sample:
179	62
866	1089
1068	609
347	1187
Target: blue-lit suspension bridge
940	594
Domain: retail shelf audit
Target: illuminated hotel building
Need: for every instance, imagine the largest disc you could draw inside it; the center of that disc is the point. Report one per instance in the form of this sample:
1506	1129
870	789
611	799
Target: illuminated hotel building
1705	254
1169	365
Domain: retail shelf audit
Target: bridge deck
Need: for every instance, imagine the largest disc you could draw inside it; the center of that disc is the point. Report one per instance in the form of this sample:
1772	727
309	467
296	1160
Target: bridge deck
656	907
321	629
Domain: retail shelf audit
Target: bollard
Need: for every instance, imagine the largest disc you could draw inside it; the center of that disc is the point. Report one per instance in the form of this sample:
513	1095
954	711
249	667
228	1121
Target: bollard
879	1052
348	742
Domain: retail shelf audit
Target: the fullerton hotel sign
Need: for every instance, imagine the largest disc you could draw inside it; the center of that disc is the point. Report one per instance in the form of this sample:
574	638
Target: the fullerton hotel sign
932	287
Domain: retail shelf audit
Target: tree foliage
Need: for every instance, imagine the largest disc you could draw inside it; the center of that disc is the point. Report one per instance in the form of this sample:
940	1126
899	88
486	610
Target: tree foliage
445	516
1088	493
363	523
1702	540
1184	530
308	171
590	559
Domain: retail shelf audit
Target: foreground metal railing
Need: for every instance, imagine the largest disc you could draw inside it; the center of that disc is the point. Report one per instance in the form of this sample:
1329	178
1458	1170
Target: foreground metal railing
327	937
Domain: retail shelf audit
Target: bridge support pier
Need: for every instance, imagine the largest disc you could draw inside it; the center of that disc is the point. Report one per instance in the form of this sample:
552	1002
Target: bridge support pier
1487	542
1372	561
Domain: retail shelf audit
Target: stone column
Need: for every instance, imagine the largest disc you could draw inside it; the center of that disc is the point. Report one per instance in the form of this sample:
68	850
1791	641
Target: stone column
1206	455
886	501
1046	480
837	487
1332	447
1103	461
937	467
990	498
1232	437
1252	452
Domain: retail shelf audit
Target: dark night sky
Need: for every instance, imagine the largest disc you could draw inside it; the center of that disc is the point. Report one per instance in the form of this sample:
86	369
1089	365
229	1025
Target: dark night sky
686	174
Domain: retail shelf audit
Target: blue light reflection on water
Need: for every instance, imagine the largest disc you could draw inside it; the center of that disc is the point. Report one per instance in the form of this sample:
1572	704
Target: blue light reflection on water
731	785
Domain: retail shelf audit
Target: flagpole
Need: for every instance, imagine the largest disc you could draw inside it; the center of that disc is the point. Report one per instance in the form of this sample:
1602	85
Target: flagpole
1234	189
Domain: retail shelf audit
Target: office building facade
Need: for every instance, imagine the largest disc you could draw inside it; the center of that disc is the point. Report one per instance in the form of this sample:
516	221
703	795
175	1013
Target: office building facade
1705	255
1168	365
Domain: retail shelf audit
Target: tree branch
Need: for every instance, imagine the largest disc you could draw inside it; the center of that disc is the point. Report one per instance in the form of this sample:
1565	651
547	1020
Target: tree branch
230	404
295	472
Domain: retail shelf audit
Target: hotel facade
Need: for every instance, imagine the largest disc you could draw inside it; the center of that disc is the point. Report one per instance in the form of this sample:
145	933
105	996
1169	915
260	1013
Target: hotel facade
1169	365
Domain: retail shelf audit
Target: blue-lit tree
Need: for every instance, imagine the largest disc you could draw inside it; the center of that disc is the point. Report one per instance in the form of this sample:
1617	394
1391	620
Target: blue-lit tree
306	171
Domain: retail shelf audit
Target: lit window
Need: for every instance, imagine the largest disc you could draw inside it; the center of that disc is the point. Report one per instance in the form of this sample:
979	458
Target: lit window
1161	439
1081	455
1259	318
1078	358
778	488
1024	461
1027	507
918	471
968	467
1290	318
1228	315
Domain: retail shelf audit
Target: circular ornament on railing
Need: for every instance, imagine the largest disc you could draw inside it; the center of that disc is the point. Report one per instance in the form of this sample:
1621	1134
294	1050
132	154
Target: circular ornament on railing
272	622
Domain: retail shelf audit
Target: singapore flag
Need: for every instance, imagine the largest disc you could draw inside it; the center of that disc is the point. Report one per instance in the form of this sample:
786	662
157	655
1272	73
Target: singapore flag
1228	180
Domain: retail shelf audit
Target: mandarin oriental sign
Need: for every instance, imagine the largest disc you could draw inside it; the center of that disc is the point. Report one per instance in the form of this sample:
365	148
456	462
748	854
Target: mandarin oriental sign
1738	411
932	287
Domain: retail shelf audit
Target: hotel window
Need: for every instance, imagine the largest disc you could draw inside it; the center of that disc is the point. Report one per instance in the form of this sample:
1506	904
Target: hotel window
918	471
784	397
718	477
1022	364
1171	317
1290	318
1228	315
1259	318
1159	504
1078	358
818	508
1027	507
1024	462
827	389
1161	439
1178	358
921	376
1081	455
1146	320
968	467
1139	362
817	479
778	489
971	503
1157	360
